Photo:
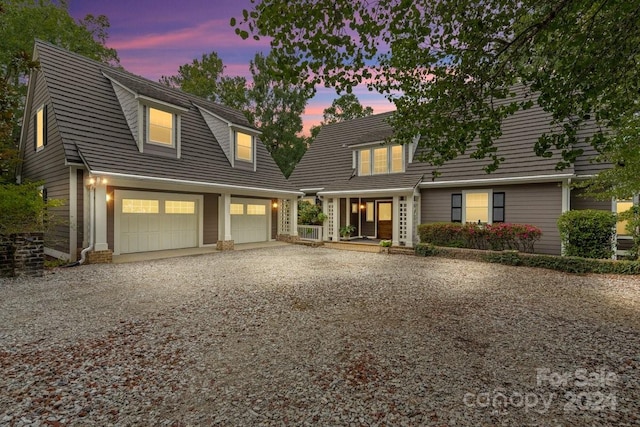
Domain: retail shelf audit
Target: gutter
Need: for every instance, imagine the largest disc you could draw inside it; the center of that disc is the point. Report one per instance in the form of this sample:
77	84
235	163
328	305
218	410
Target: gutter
508	180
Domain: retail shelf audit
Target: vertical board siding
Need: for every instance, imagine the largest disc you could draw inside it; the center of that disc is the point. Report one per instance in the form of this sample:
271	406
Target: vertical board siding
535	204
48	165
80	207
210	220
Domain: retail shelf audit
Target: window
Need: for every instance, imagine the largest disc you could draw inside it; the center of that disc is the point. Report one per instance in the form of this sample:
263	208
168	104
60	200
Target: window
382	160
179	207
365	162
384	211
370	212
478	206
256	210
160	127
354	208
236	209
622	206
40	131
244	147
137	206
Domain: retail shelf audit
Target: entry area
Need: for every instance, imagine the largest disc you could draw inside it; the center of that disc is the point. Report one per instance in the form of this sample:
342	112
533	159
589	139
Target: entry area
250	220
385	222
154	221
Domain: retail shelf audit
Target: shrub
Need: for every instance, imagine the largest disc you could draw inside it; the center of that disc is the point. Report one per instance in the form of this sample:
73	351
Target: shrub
426	249
310	214
23	210
500	236
442	234
587	233
385	243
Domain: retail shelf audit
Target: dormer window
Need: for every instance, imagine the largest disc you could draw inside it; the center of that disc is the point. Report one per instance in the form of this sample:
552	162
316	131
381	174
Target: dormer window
244	146
40	130
381	160
160	125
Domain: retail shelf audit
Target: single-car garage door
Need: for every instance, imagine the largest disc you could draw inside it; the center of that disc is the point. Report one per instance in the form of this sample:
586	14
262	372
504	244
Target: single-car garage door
148	221
250	220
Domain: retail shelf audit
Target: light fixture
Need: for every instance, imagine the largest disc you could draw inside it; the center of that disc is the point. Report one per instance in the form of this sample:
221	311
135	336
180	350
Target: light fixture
104	180
275	205
108	197
92	181
362	207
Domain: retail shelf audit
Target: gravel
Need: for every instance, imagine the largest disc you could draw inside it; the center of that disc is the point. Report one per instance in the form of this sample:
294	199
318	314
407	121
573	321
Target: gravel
312	336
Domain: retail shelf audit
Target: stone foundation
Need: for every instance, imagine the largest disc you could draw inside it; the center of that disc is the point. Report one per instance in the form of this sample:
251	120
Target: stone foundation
287	238
22	255
100	257
225	245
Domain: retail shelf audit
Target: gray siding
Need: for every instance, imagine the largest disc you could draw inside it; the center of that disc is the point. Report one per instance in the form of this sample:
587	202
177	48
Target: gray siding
129	105
578	202
535	204
210	220
80	207
221	132
48	165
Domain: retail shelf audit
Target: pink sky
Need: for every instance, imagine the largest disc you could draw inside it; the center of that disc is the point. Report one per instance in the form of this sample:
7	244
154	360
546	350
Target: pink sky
153	38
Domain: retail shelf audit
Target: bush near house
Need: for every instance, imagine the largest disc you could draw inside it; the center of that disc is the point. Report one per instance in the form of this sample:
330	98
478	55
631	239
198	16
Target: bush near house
587	233
500	236
310	214
23	209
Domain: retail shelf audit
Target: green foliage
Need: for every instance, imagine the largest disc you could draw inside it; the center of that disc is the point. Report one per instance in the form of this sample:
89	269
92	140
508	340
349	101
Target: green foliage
22	21
426	249
499	236
310	214
448	65
385	243
23	210
632	216
347	230
587	233
566	264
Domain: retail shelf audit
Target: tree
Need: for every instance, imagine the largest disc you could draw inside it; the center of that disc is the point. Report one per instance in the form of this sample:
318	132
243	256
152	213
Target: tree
276	107
449	66
345	107
205	78
22	21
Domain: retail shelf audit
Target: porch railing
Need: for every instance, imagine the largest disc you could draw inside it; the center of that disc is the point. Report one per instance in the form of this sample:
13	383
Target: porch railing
310	232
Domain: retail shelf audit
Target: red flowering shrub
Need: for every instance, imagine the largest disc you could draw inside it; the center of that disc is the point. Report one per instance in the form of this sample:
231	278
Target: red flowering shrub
498	237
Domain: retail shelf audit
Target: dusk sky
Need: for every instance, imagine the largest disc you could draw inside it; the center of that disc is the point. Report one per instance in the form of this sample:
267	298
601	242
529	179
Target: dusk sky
154	37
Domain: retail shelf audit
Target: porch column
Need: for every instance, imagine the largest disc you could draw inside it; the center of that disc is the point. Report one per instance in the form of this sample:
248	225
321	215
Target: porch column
293	219
100	207
325	225
336	219
410	210
225	241
395	223
347	212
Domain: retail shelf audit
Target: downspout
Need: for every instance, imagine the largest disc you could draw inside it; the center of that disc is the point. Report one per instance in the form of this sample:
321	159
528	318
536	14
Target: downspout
83	253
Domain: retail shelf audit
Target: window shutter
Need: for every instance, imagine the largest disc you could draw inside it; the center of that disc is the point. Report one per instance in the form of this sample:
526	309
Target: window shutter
498	207
456	207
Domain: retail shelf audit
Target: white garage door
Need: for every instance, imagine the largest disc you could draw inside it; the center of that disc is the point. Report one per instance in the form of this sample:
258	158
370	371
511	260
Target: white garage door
250	220
146	221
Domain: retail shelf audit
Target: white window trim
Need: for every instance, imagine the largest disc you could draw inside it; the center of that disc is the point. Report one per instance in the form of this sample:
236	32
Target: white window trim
370	149
614	208
235	146
489	205
174	128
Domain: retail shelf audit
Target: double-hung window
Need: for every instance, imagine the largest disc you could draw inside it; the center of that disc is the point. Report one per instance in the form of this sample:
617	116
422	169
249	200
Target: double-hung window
478	206
161	125
381	160
244	146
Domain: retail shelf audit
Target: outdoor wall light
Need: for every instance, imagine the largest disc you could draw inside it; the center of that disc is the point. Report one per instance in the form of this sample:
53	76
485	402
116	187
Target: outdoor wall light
275	205
362	207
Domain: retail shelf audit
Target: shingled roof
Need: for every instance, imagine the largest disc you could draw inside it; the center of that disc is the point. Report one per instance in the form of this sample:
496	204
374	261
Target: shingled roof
94	129
328	163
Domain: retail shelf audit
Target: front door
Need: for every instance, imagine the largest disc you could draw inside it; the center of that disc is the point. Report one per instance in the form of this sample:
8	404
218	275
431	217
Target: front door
384	220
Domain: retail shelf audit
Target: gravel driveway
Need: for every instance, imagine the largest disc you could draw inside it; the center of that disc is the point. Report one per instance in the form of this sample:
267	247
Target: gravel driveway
311	336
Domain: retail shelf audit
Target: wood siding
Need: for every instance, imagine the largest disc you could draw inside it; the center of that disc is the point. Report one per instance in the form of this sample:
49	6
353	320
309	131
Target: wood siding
578	202
80	207
48	165
535	204
210	220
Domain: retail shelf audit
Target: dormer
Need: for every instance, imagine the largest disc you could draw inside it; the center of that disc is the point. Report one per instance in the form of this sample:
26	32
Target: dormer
238	142
154	117
382	158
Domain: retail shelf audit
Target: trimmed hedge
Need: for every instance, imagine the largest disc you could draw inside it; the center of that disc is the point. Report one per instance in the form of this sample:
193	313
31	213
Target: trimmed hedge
499	236
552	262
587	233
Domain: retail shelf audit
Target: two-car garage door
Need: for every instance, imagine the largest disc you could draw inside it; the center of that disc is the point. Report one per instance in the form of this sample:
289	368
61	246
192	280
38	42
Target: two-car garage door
151	221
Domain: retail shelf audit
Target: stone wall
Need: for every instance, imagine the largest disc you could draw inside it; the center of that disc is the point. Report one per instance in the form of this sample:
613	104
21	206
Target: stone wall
225	245
22	254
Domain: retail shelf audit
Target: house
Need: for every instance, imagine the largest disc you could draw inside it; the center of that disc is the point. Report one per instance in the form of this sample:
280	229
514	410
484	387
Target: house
143	167
385	192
